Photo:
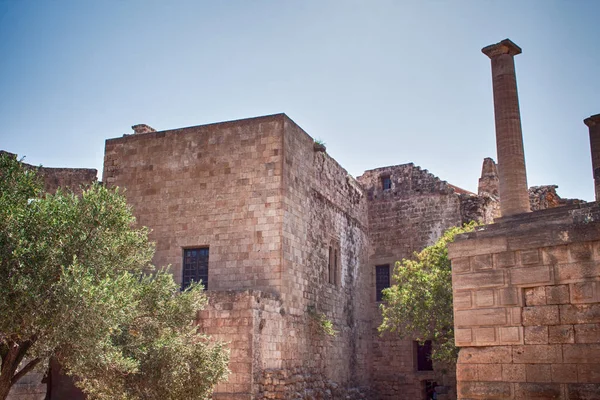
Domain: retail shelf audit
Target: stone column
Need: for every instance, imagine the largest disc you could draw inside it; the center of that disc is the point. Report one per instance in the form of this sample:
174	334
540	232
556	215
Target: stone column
593	124
514	198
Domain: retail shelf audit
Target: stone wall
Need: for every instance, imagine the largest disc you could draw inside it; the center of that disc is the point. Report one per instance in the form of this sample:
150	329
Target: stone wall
269	208
215	186
72	179
404	218
325	210
527	306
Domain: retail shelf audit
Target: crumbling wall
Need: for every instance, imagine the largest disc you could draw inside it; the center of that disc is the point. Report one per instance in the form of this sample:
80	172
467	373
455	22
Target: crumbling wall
527	306
71	179
406	217
544	197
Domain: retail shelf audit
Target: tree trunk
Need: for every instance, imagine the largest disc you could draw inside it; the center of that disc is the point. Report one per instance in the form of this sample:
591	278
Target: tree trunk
13	354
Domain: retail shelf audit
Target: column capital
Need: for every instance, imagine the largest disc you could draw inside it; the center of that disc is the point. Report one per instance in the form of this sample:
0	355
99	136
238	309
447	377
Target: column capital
504	47
592	121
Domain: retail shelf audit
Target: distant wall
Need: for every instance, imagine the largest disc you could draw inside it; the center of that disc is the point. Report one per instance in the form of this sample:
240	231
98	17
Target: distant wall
405	218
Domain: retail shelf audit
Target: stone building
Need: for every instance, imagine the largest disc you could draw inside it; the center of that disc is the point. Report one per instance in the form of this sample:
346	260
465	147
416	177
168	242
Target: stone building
284	238
527	288
281	234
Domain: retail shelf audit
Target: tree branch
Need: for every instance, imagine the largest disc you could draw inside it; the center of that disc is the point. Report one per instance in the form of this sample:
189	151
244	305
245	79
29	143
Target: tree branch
30	365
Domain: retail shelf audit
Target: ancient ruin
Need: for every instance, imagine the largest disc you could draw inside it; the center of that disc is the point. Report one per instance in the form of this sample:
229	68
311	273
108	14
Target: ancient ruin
284	238
526	288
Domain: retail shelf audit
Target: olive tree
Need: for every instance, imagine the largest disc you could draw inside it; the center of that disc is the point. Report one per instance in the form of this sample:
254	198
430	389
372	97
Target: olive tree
76	284
419	304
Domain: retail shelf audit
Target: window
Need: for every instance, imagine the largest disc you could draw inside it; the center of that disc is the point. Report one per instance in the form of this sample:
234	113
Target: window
386	182
382	280
423	356
333	263
195	267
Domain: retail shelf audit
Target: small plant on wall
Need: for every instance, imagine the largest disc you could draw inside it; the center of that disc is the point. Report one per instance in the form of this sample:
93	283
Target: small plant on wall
319	145
324	324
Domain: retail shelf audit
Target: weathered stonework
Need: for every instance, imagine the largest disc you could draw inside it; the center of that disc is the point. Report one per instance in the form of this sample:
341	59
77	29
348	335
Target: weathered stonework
527	319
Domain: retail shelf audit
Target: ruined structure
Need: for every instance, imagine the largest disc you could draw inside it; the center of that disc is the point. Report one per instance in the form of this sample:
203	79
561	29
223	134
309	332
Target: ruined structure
284	238
526	288
284	235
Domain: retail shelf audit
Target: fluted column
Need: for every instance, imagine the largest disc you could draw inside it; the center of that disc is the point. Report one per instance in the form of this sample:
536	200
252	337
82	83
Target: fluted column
593	124
514	198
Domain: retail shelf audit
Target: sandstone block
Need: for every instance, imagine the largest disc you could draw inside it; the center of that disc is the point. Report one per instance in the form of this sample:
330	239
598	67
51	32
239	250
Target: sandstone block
558	294
577	271
489	372
537	354
462	300
583	391
564	373
513	372
485	355
535	296
505	259
461	265
463	336
540	315
511	334
474	247
484	298
555	255
466	372
508	296
588	373
478	280
484	335
561	334
587	333
536	334
538	372
483	261
484	390
580	313
544	391
529	256
581	353
580	251
479	317
585	292
530	275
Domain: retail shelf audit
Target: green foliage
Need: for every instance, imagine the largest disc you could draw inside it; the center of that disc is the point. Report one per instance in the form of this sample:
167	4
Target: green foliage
76	284
419	305
324	324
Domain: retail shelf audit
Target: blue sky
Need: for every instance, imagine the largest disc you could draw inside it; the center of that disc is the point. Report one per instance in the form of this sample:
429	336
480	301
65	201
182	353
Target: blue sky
381	82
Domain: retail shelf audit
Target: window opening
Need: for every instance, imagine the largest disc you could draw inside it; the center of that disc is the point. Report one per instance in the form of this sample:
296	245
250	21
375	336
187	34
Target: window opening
195	267
423	355
334	263
386	182
382	280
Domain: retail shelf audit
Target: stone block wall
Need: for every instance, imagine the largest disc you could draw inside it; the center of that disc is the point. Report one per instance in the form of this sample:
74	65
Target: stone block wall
71	179
215	186
268	207
527	306
405	218
325	209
